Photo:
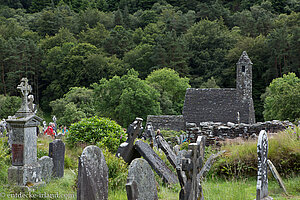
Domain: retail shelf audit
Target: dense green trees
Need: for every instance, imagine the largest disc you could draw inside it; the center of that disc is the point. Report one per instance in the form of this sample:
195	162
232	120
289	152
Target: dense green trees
282	98
124	98
70	43
9	106
172	89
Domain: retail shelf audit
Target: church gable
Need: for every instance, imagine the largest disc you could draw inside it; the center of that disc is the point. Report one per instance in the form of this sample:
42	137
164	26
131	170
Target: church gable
218	105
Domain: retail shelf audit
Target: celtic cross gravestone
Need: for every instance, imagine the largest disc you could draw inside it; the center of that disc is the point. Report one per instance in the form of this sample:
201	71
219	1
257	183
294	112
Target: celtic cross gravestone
262	174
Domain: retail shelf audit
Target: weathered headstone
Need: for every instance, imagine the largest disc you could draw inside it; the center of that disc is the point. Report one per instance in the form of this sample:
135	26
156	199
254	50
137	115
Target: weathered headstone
277	176
57	153
163	145
210	161
262	173
141	184
156	162
150	133
25	169
126	149
191	165
46	164
92	175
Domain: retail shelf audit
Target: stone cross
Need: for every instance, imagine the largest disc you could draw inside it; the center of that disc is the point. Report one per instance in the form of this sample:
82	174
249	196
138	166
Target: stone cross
191	165
25	170
262	173
126	150
25	89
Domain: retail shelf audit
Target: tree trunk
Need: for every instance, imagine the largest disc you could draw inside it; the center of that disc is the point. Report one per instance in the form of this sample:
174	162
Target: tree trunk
3	79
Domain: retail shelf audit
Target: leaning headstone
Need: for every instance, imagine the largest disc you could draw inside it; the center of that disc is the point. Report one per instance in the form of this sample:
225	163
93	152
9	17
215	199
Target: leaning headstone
46	168
262	173
156	162
126	149
208	164
277	176
92	175
192	162
25	169
163	145
57	153
141	184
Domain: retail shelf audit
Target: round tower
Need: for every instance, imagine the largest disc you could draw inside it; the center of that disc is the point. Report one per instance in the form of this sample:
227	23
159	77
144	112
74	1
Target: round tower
244	77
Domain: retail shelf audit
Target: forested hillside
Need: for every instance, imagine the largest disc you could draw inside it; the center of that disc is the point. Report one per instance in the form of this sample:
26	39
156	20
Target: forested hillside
76	43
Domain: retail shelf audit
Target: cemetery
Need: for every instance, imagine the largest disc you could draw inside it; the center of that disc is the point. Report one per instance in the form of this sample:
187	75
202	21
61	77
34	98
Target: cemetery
197	161
149	100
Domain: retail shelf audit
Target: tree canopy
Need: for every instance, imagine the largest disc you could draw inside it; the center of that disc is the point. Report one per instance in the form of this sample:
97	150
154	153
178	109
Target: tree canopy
282	98
63	44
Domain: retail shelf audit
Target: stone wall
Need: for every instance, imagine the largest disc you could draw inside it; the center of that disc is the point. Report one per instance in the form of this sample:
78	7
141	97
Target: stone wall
221	131
218	105
167	122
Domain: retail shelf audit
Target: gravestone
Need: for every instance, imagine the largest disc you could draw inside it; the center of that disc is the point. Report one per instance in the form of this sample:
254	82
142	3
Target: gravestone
208	164
126	149
262	173
141	184
277	176
57	153
192	163
163	145
155	162
150	133
92	175
46	164
25	169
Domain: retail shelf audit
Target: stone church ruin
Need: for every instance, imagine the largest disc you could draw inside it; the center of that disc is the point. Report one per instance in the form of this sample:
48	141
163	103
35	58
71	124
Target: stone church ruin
223	104
225	112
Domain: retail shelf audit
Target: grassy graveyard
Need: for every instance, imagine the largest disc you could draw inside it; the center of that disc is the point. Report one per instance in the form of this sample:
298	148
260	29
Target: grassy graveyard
233	176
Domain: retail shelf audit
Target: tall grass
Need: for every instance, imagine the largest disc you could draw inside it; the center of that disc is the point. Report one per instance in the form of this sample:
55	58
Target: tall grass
240	160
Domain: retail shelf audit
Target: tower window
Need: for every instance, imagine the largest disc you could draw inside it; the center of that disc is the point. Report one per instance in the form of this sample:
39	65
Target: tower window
243	68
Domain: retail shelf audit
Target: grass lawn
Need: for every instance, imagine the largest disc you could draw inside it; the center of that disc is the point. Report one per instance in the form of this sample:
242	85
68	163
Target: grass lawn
214	189
228	190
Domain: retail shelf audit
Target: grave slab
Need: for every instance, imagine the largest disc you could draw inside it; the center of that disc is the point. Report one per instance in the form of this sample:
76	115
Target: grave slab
156	162
57	153
92	175
141	184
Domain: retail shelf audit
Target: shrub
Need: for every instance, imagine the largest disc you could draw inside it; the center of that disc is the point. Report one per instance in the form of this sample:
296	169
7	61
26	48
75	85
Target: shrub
96	130
4	159
117	170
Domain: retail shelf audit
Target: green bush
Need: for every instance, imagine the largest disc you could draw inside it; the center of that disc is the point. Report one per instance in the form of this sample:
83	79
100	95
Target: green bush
117	170
96	130
70	163
4	159
42	152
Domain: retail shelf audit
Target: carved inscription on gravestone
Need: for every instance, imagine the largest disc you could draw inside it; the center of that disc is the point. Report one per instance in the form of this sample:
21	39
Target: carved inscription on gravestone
262	174
17	154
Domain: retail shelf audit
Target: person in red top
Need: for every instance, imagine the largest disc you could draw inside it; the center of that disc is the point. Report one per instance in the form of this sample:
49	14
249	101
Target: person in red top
49	131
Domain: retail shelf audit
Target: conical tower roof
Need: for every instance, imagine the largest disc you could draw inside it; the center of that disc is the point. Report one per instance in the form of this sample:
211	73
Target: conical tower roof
244	59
